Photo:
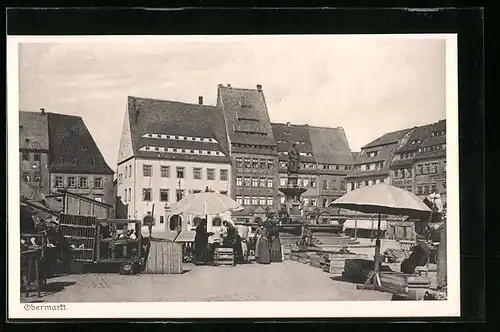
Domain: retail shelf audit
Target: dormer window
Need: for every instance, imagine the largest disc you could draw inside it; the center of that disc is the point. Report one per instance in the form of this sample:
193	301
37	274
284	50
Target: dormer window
147	148
150	135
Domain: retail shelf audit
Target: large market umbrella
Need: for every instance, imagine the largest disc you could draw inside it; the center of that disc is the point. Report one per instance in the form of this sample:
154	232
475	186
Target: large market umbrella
382	198
205	203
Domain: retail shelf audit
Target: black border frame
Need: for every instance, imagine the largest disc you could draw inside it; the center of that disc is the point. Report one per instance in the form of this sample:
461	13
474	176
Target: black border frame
468	23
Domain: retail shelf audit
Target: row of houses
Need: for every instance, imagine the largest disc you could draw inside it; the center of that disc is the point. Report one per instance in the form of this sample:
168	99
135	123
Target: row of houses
169	149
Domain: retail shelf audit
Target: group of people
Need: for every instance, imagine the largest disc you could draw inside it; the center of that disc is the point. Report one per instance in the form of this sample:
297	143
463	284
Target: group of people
266	242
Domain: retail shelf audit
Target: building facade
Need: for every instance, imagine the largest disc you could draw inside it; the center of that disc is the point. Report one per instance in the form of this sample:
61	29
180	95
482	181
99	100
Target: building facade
325	160
169	150
254	157
34	150
57	152
375	159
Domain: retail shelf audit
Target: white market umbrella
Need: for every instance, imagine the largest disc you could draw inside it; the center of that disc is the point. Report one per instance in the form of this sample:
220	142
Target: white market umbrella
382	198
205	203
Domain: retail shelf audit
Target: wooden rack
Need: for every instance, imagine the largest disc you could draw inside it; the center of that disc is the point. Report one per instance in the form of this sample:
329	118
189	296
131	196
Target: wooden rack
116	249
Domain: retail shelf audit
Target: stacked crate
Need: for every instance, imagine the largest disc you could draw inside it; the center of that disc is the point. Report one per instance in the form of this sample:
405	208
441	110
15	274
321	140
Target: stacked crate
80	233
224	257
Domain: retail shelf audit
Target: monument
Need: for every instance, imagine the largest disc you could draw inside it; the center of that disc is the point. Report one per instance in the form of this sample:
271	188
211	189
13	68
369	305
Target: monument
292	191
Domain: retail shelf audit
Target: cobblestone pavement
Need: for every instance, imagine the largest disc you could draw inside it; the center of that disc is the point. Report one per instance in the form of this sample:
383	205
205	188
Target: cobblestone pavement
287	281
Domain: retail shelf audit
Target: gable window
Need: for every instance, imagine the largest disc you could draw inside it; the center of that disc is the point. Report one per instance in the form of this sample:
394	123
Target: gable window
313	182
164	195
197	173
26	156
83	182
283	182
247	163
262	201
246	200
246	182
224	174
180	172
98	183
325	184
239	200
270	201
71	182
255	200
130	171
146	194
210	174
147	170
239	181
165	171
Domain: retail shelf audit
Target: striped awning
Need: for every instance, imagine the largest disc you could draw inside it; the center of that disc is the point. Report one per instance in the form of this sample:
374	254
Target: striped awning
365	224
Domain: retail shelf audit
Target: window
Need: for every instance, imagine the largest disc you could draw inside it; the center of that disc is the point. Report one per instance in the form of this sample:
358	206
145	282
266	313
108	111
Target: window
180	172
314	202
196	191
26	156
165	171
255	163
83	182
325	202
269	183
246	200
443	184
239	181
125	196
444	166
164	195
162	220
255	200
71	182
247	163
342	185
223	192
282	182
263	163
262	201
120	178
146	194
270	163
306	182
36	177
179	193
255	182
408	173
325	184
36	157
434	167
262	182
197	173
147	170
306	201
420	169
239	162
246	182
282	199
130	171
282	164
210	174
126	171
129	194
270	201
224	174
313	182
419	190
427	169
434	188
239	200
98	183
426	189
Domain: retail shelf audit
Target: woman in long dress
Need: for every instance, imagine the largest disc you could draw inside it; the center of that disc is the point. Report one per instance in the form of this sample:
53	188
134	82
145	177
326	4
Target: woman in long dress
201	241
262	252
276	255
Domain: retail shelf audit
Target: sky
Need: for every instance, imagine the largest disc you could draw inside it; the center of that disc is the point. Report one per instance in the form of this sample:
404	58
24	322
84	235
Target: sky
369	85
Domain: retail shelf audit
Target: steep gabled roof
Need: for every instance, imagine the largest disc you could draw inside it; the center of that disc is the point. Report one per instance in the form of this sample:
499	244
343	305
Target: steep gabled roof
246	116
416	138
154	116
389	138
72	147
33	131
285	135
435	140
330	146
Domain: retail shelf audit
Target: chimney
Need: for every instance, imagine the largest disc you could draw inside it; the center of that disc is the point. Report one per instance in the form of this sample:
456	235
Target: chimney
259	87
42	110
200	100
229	86
288	124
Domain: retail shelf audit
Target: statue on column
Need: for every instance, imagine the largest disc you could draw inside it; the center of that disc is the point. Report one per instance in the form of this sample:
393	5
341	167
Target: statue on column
293	160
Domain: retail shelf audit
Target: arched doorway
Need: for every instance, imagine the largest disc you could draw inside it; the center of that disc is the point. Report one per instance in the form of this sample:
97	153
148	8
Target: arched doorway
175	222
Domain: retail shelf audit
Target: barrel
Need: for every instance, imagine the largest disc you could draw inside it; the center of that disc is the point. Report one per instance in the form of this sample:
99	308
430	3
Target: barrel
164	258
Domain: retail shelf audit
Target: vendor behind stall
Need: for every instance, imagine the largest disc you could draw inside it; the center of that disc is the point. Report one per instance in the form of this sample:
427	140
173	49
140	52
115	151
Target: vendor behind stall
419	256
232	240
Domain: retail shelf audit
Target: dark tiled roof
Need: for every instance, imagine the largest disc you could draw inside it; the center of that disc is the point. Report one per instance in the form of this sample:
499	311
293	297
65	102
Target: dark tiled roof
355	155
330	146
72	148
34	127
416	138
436	140
402	163
153	116
389	138
245	110
430	155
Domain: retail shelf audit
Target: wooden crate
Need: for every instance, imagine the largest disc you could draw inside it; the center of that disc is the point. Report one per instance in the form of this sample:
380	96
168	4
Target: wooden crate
224	257
164	258
80	231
